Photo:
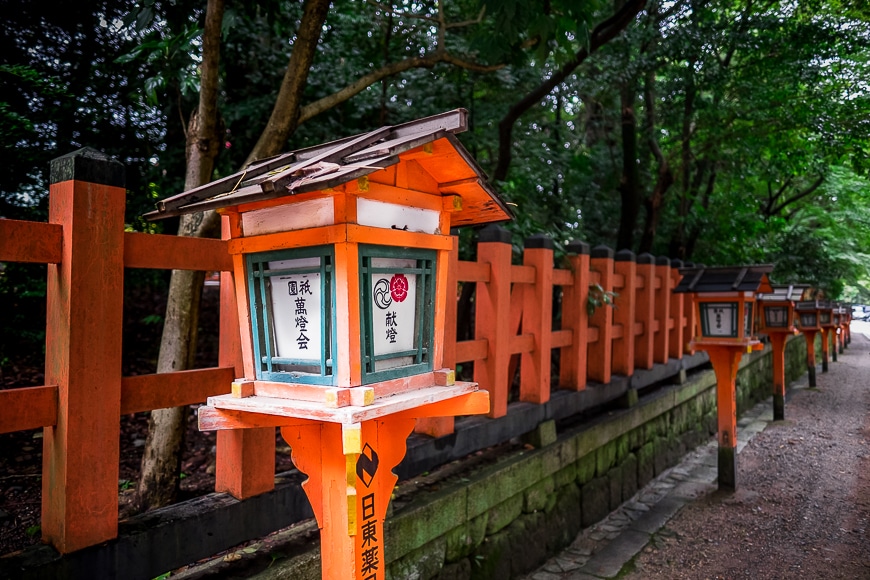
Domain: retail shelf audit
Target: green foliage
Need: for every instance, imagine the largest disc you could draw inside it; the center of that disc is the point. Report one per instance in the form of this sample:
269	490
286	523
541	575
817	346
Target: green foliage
599	297
760	114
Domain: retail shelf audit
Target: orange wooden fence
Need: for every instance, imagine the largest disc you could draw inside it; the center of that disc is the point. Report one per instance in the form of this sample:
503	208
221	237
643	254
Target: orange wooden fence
87	249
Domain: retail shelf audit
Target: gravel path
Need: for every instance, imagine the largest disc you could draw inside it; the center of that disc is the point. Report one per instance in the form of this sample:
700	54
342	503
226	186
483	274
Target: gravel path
801	510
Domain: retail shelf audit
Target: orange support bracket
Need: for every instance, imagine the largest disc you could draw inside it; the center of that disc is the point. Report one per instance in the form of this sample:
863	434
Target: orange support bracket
726	361
348	455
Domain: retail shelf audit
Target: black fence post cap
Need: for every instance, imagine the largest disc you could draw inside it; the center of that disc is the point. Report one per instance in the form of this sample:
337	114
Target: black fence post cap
602	252
577	247
624	256
494	233
539	241
646	258
88	165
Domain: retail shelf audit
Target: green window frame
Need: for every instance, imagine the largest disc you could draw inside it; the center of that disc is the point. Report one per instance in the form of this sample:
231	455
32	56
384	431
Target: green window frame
419	358
270	367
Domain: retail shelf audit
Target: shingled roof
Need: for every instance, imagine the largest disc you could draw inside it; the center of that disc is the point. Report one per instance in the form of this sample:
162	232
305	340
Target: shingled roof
785	292
332	164
725	279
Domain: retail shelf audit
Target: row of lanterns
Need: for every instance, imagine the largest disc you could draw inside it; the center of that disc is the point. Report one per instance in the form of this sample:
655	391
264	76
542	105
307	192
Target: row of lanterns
726	297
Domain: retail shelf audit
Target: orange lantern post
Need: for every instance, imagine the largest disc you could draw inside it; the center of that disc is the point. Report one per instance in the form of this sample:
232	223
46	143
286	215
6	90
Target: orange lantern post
841	321
826	321
807	312
341	256
778	322
724	298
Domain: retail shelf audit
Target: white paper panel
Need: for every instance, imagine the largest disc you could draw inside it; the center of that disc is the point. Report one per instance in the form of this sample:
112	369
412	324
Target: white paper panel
297	311
380	214
394	300
284	218
719	321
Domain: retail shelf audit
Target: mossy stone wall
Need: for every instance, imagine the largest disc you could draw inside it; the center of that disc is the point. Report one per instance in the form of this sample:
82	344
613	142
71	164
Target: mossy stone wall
505	519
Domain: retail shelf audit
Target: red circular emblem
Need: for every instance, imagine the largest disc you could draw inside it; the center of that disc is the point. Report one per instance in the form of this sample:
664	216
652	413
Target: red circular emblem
399	287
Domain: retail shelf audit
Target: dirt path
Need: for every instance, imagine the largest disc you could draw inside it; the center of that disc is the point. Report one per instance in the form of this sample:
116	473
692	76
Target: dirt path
802	509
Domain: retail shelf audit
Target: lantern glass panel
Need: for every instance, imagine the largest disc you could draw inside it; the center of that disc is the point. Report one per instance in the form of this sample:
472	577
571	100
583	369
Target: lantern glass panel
398	287
291	310
808	319
825	317
719	319
776	316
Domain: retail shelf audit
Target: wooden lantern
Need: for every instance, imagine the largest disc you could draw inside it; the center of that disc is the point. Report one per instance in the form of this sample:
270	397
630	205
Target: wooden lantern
341	258
778	307
807	315
725	297
778	322
340	267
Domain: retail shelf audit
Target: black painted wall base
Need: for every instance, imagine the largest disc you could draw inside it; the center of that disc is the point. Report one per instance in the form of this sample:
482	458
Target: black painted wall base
727	468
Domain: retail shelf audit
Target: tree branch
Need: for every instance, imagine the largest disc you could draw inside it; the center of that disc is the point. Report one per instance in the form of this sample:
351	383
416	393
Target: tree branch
319	106
603	33
798	196
285	113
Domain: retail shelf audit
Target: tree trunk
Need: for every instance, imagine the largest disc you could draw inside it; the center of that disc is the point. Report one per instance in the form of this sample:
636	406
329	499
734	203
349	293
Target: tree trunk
159	478
603	33
629	186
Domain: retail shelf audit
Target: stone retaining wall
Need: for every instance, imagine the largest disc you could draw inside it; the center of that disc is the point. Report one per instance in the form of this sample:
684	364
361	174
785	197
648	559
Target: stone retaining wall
506	518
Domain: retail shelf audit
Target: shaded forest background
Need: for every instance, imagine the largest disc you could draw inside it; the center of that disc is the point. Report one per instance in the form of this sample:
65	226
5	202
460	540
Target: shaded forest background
720	131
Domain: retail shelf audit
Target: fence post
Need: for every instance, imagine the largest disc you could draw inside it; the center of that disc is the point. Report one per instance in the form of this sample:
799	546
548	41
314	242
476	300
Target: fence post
441	426
623	314
663	308
643	349
675	332
599	354
492	314
83	351
572	358
538	320
244	458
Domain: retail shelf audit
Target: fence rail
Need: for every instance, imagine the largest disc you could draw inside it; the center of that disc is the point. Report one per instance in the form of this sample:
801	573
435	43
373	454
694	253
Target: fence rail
87	249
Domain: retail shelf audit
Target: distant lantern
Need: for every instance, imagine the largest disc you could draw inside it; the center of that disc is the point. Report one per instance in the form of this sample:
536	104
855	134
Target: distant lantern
341	252
778	306
808	314
826	314
725	297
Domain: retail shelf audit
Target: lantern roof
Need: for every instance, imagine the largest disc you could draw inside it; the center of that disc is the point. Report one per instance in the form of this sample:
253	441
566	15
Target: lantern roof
332	164
785	292
809	305
725	279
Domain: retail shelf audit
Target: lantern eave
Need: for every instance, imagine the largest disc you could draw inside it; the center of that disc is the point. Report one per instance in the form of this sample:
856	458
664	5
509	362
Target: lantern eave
429	144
